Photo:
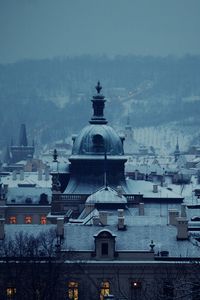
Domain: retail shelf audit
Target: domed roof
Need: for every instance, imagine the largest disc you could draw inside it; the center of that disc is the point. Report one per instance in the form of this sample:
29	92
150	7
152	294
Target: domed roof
96	139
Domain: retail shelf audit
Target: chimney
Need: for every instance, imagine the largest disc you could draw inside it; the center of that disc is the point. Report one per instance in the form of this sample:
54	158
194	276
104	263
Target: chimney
136	174
121	225
155	188
182	228
2	228
119	191
120	212
60	227
141	209
173	215
47	173
183	211
21	176
89	207
39	174
96	220
103	217
14	175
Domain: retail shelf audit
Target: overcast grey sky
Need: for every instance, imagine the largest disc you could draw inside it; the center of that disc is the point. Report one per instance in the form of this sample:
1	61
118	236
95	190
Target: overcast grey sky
48	28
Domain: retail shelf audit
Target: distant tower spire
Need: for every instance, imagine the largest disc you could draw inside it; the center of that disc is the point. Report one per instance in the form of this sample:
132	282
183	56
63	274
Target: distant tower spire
177	151
22	136
7	157
128	119
98	102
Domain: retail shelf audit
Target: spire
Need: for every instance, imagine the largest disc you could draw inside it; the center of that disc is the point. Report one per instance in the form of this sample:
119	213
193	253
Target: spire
55	155
7	157
98	107
22	136
177	145
177	151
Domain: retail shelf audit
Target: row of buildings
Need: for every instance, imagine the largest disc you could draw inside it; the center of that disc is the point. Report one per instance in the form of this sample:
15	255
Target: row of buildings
83	229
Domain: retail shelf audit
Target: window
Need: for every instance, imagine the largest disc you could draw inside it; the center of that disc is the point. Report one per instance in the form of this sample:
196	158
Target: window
10	293
98	143
73	290
43	220
105	289
135	284
168	290
28	220
13	220
104	248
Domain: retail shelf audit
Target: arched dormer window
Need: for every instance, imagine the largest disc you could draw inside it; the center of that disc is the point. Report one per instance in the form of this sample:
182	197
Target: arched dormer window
104	244
98	143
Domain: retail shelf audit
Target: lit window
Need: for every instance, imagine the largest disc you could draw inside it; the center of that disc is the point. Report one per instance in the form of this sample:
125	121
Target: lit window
13	220
10	292
136	284
28	220
105	289
104	248
73	290
43	220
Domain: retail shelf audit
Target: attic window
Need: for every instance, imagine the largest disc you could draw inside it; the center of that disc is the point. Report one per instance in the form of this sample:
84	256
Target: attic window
104	248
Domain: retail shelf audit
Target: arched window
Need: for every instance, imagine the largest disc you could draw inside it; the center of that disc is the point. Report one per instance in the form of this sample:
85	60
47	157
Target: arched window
73	290
105	289
98	143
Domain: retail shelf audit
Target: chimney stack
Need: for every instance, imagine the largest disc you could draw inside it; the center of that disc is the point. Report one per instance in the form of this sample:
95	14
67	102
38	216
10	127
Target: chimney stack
103	217
173	215
40	174
141	209
21	176
183	211
60	227
2	228
182	228
155	188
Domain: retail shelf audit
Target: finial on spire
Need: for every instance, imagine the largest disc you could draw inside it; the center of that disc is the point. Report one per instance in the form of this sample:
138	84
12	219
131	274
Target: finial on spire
98	87
55	155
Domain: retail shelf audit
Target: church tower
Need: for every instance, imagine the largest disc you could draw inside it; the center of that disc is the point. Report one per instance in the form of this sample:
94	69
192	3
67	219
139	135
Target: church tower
177	152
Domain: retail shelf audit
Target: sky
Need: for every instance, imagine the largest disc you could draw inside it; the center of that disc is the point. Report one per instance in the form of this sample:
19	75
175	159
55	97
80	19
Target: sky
35	29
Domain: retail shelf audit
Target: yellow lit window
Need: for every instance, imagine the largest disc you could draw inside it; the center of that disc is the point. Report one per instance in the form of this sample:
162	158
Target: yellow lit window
28	220
43	220
13	220
105	289
10	292
73	290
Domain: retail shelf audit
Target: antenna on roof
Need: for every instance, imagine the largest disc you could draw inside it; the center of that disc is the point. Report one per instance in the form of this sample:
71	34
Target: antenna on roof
105	171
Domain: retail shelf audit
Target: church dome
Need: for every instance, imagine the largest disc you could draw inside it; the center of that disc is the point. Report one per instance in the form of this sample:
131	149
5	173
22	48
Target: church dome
97	139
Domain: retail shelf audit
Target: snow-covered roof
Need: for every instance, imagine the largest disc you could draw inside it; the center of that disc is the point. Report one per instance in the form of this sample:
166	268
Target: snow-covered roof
146	189
140	231
106	195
